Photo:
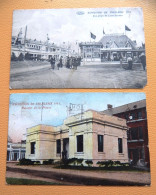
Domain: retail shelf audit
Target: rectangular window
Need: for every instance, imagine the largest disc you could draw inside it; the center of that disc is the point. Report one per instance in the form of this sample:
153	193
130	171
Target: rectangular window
133	116
126	116
120	145
140	132
33	147
58	146
134	134
139	115
80	143
100	143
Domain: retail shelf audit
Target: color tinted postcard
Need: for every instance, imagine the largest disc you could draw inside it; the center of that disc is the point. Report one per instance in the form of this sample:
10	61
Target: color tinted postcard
78	139
78	48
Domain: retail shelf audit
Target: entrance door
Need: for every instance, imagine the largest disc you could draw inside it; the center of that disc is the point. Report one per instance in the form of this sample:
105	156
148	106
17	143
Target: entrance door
65	154
135	156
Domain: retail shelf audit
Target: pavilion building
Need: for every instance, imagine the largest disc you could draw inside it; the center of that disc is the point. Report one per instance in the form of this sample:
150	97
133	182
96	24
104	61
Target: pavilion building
90	135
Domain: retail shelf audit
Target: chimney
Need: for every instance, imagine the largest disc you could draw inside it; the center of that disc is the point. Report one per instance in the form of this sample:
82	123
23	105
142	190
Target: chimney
109	106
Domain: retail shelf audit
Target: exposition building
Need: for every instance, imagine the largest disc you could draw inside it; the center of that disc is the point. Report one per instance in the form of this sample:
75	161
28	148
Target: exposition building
111	47
15	151
90	135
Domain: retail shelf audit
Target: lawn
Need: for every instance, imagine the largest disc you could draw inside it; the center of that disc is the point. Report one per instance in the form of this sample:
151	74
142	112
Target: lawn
20	181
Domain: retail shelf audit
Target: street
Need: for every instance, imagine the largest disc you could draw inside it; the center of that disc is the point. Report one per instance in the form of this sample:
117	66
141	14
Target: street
32	74
81	177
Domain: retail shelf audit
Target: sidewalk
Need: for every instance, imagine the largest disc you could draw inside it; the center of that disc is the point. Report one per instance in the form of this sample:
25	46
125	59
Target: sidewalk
29	68
85	177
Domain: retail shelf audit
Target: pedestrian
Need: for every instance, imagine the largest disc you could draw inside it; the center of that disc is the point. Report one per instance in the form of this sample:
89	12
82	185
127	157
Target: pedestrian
76	62
68	62
60	62
130	62
52	62
58	65
143	60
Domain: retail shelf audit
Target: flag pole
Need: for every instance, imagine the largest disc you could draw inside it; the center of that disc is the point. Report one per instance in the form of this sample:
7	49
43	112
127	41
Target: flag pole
25	39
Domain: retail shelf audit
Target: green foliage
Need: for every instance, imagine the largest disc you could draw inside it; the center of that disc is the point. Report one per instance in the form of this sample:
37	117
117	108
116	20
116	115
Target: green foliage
24	161
37	163
72	161
48	162
20	181
111	163
79	161
89	162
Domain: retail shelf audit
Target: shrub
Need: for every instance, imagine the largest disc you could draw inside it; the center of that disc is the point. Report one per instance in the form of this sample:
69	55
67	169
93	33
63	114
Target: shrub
57	162
79	161
72	160
111	163
89	162
48	162
37	163
24	161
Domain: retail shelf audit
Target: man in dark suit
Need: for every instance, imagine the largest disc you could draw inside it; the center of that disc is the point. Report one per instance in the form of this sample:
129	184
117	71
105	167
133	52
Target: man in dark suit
143	60
52	62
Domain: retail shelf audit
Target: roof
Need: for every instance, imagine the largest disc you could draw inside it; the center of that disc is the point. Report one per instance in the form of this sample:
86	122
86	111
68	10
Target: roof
120	40
31	41
126	107
90	43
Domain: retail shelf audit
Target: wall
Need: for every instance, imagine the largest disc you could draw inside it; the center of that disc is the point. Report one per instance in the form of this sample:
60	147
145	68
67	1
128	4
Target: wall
111	132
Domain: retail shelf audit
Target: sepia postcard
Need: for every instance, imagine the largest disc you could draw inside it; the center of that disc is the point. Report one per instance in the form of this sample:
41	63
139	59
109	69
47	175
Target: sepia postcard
78	139
78	48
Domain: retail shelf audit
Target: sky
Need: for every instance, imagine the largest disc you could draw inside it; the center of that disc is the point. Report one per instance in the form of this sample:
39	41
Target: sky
75	25
21	117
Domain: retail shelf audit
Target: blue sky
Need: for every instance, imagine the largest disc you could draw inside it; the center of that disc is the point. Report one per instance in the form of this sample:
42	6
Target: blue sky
20	119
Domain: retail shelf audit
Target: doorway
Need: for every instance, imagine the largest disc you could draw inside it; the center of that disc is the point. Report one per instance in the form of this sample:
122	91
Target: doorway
65	152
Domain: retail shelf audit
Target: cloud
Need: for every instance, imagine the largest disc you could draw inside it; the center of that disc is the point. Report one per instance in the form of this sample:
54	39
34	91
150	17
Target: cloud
65	25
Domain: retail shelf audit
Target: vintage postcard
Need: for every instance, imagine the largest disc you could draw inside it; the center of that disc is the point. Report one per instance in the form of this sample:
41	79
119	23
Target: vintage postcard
78	48
78	139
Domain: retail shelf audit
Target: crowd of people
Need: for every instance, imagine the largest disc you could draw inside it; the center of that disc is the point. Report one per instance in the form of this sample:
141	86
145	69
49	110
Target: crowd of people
69	62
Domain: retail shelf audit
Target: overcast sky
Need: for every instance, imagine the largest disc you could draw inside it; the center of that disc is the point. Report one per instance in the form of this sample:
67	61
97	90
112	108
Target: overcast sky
20	119
63	25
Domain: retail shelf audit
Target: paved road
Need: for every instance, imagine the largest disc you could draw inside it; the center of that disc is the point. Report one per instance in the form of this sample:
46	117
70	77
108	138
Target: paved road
88	76
29	176
84	177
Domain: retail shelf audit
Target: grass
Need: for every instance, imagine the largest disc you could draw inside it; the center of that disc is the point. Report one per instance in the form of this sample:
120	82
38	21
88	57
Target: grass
20	181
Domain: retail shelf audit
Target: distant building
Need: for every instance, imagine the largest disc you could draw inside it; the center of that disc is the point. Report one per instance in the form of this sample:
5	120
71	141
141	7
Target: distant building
90	136
15	151
111	47
135	114
91	50
36	50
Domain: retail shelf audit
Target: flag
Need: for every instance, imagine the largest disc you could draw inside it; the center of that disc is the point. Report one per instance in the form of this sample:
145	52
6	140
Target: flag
25	34
92	36
126	28
103	32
